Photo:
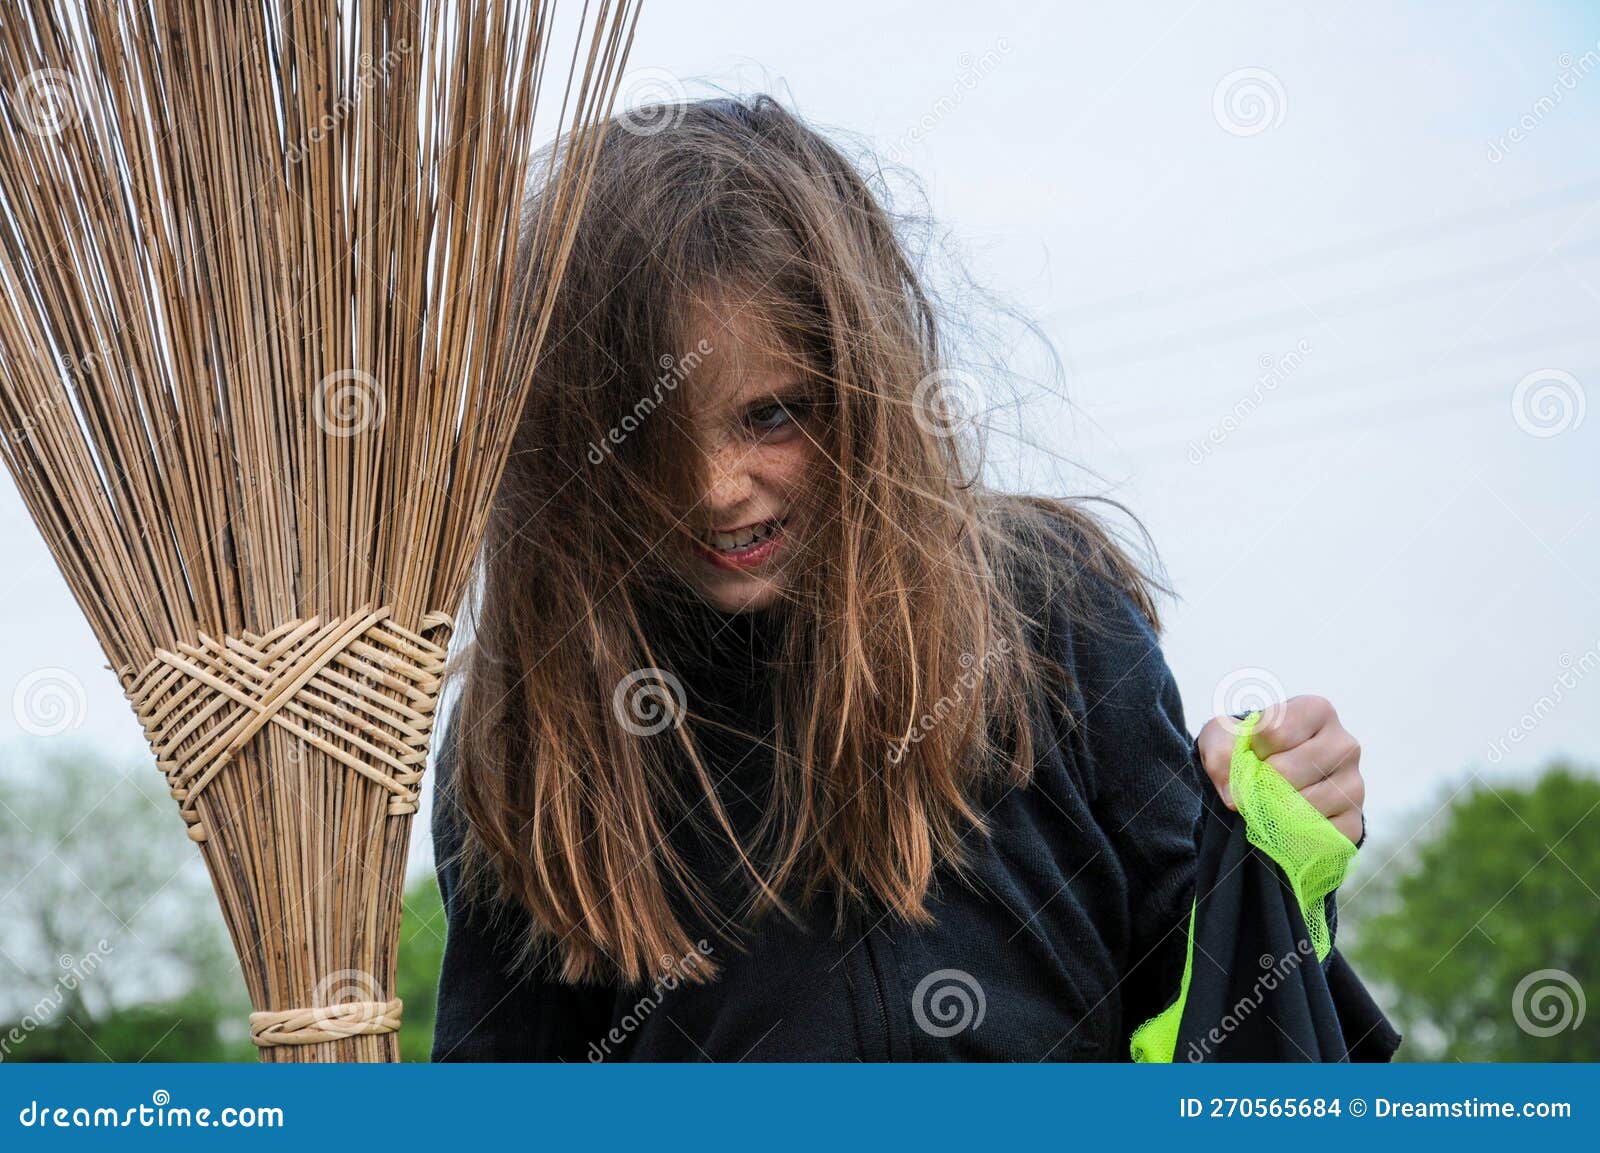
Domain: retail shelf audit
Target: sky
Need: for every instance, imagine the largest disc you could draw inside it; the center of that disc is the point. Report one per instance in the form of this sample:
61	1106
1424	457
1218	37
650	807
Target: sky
1321	282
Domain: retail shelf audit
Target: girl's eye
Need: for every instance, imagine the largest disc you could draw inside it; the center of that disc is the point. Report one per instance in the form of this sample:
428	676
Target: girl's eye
769	417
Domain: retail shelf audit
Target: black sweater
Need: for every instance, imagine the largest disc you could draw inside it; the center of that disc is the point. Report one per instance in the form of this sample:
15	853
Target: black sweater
1070	933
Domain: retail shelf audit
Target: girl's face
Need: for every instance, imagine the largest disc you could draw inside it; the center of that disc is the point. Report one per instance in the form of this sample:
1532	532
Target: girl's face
749	413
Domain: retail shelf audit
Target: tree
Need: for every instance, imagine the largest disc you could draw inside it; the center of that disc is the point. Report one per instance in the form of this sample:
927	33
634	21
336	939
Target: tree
1484	925
111	943
112	947
421	954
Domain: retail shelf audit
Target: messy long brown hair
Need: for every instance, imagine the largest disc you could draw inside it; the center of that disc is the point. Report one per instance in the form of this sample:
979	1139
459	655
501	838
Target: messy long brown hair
904	680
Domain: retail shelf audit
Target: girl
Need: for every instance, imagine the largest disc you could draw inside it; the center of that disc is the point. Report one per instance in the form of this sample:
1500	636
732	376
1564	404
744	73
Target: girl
780	736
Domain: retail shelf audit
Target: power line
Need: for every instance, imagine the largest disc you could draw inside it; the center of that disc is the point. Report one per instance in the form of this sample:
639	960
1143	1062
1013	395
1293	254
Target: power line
1393	239
1351	304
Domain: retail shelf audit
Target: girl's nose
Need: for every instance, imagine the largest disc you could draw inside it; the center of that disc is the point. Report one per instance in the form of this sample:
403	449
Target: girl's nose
728	479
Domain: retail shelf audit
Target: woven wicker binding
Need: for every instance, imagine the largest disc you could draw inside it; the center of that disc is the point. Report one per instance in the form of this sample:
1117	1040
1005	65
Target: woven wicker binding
309	1026
361	688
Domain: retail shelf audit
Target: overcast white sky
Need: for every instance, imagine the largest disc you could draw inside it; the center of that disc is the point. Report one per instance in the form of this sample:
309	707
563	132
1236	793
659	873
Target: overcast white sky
1382	524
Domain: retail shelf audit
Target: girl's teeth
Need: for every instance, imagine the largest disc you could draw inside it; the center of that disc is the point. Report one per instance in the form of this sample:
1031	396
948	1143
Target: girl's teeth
744	538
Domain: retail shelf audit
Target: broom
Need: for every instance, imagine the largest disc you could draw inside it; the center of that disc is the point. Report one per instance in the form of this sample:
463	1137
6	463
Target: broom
264	338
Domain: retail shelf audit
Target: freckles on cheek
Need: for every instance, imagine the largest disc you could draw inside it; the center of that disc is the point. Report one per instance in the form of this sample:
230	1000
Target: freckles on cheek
788	469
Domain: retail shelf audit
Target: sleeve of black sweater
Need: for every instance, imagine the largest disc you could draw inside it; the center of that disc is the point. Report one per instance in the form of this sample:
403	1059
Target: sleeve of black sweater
1145	780
1152	798
489	1008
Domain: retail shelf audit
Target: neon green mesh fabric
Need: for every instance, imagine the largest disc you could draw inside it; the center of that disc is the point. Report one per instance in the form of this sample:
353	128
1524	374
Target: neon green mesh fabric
1157	1039
1286	827
1313	855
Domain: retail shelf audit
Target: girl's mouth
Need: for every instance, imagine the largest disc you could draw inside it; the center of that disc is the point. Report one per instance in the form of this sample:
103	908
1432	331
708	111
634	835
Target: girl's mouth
743	548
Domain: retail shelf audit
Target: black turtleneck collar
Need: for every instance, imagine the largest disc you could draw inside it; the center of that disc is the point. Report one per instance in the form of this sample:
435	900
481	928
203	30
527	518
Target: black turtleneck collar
721	655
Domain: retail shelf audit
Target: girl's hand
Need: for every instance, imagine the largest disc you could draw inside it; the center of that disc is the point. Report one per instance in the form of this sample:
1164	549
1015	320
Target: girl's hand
1303	740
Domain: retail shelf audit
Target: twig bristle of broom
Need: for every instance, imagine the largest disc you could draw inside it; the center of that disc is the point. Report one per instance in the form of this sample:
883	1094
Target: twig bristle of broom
264	337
